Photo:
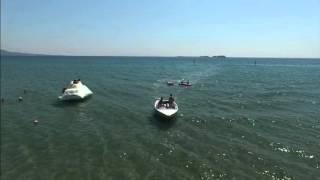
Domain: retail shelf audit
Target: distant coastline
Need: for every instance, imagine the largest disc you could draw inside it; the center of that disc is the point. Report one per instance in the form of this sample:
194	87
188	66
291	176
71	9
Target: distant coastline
11	53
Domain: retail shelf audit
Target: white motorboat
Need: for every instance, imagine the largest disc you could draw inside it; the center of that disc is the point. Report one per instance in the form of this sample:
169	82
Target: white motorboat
185	83
75	91
165	109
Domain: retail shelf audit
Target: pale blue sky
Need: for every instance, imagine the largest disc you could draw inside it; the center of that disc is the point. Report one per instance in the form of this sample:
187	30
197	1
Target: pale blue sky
251	28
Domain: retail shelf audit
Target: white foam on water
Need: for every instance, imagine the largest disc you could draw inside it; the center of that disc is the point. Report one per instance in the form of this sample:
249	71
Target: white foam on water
300	153
283	149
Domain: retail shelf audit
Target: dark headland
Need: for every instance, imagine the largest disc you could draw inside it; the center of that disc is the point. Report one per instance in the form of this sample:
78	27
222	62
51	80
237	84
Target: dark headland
11	53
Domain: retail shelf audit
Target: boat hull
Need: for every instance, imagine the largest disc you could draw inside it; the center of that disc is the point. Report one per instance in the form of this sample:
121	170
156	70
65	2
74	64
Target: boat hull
184	84
73	97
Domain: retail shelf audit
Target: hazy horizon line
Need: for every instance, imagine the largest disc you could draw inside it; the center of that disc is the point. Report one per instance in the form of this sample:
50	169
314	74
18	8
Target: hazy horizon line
173	56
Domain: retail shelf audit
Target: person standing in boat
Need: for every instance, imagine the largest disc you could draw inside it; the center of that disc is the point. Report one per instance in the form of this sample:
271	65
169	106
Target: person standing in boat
160	102
76	81
171	100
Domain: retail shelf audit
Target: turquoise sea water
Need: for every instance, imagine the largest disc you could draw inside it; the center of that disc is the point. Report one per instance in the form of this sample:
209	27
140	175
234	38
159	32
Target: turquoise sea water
237	121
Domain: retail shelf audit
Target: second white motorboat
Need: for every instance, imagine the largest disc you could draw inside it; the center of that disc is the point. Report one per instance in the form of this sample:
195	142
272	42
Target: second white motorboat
75	91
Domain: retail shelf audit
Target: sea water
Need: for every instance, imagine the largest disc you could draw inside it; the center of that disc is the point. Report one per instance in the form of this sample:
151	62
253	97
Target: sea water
240	119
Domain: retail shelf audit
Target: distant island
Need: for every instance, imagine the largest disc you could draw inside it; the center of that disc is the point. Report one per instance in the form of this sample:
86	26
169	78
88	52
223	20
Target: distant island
220	56
204	57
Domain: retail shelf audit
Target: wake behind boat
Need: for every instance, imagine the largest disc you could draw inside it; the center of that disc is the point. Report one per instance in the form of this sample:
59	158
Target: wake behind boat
166	108
75	91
